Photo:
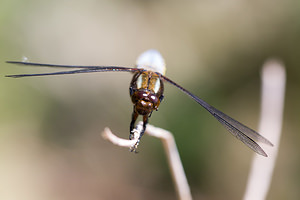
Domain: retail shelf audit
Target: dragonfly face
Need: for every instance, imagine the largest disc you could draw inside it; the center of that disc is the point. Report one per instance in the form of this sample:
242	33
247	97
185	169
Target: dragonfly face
146	91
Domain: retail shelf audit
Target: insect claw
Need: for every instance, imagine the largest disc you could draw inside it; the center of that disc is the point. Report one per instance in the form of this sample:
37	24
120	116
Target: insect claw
134	147
134	150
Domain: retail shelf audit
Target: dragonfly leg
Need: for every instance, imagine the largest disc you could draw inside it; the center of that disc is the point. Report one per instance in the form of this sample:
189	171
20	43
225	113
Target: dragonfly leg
145	122
133	119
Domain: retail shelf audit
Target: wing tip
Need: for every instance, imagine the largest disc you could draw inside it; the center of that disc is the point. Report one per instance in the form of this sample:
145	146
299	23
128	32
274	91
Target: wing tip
265	141
12	76
262	153
13	62
257	149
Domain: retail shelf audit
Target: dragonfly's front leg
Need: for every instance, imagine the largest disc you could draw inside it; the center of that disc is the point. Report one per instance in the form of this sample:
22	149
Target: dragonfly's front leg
133	119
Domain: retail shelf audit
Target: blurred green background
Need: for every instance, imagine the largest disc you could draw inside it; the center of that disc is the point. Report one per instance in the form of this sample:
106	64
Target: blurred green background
50	142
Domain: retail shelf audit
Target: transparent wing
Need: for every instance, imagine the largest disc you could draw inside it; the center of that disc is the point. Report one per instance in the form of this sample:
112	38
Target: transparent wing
61	66
82	69
247	135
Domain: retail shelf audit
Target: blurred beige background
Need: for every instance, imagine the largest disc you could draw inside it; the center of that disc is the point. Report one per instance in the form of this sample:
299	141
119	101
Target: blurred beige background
50	143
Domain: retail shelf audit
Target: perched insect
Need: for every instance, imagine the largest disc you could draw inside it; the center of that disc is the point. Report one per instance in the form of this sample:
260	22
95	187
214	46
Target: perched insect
146	91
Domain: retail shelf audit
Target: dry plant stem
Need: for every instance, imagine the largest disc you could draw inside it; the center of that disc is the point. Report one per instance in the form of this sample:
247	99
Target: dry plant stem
108	135
178	175
273	90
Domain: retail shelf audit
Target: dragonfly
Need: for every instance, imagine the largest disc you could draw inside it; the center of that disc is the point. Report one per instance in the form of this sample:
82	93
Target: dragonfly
146	91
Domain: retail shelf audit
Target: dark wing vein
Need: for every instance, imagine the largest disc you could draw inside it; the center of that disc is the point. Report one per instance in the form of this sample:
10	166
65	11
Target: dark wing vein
247	135
82	69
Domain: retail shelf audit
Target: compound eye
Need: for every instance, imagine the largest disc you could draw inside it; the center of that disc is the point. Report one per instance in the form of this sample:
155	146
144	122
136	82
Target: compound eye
153	98
141	94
